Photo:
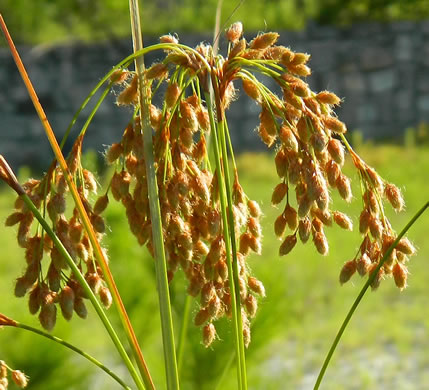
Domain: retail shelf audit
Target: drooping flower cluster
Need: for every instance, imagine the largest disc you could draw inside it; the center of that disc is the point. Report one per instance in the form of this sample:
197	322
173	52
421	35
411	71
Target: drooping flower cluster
309	158
52	284
188	193
377	231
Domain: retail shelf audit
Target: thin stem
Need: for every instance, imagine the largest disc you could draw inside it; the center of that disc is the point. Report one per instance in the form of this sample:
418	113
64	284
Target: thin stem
236	316
99	254
235	271
183	332
91	296
75	349
155	212
371	278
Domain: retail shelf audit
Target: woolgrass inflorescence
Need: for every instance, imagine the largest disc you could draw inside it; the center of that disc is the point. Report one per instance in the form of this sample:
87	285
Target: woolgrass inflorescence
209	224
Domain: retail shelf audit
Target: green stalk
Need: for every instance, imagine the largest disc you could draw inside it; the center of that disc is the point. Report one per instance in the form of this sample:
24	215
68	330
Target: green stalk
236	315
75	349
235	271
97	306
362	293
155	212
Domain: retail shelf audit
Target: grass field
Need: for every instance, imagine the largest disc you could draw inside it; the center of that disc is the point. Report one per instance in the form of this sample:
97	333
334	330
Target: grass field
385	346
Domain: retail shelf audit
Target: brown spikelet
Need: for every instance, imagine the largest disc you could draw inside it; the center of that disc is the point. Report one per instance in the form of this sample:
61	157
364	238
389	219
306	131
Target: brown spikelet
326	97
349	268
129	94
264	40
6	321
394	196
80	308
209	334
279	193
157	71
321	243
334	125
343	221
404	245
119	76
344	188
251	89
400	275
66	300
299	70
19	378
168	38
287	245
238	49
48	313
14	218
234	32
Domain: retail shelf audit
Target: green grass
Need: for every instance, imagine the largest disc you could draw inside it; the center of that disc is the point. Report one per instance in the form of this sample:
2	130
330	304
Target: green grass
384	346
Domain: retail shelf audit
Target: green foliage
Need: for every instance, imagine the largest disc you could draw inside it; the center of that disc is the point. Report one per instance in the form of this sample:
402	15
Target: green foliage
45	21
296	323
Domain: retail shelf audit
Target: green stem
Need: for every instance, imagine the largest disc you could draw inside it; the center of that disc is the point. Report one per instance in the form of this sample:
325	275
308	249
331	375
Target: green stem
235	271
80	278
236	315
75	349
183	332
155	212
371	277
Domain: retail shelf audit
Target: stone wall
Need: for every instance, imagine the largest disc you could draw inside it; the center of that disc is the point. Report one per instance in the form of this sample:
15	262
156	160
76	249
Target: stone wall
381	71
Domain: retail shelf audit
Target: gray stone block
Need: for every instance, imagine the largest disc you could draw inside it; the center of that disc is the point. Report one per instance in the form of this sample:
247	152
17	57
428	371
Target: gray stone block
382	80
354	82
372	58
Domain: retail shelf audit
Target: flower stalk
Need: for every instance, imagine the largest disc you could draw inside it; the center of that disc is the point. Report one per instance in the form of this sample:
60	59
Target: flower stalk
158	241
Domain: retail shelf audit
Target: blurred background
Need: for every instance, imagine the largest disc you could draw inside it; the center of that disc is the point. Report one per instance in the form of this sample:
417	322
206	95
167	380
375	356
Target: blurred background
373	54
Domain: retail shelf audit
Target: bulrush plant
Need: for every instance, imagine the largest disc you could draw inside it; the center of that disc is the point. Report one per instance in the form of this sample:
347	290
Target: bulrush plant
175	175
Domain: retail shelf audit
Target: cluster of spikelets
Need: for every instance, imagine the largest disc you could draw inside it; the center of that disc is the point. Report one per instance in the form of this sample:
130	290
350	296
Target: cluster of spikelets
50	282
18	377
309	143
377	231
309	159
188	194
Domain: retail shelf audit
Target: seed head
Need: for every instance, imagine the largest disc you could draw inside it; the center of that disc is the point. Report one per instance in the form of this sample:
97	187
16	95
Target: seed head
209	334
20	379
14	218
334	125
326	97
234	32
101	204
347	271
299	70
321	243
405	246
363	264
400	275
105	297
48	313
344	187
66	300
279	193
251	89
251	305
157	71
287	245
343	221
394	196
264	40
280	225
168	38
